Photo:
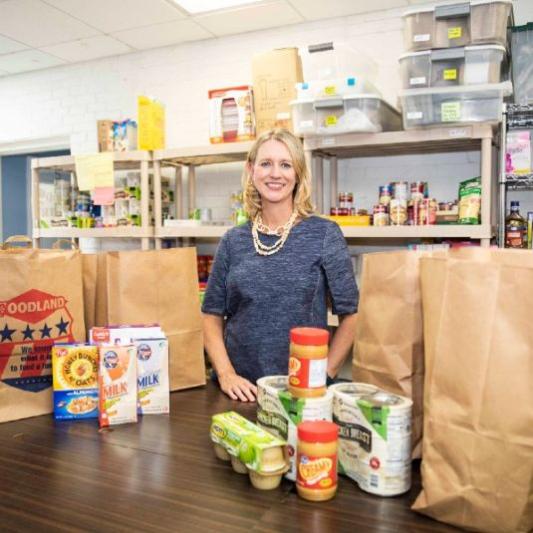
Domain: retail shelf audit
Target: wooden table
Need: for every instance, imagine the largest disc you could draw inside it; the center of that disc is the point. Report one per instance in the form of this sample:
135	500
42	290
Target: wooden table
161	475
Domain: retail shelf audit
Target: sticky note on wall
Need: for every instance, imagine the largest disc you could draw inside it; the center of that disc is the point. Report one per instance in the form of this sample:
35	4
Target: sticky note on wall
151	124
94	170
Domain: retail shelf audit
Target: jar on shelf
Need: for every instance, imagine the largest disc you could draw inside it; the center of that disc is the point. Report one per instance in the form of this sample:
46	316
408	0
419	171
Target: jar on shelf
398	212
380	215
346	200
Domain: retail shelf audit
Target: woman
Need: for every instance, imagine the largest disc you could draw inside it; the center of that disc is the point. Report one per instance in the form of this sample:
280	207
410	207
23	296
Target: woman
275	273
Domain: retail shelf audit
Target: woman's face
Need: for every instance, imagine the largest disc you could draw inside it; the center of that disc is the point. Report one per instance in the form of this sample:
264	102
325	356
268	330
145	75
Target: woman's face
273	173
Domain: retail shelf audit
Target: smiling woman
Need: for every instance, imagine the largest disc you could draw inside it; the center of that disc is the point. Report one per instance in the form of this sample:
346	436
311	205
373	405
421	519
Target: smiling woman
275	273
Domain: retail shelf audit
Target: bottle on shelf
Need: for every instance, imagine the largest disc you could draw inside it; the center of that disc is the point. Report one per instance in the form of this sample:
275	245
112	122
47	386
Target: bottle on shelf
515	228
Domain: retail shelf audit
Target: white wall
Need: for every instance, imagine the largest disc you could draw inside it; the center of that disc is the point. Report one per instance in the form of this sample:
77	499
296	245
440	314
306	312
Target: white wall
67	101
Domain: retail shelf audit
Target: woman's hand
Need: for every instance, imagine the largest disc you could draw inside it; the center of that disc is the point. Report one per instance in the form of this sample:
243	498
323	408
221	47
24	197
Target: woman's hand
237	387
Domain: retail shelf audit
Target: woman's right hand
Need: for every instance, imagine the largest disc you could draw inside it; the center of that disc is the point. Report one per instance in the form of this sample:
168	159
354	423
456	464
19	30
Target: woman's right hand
237	387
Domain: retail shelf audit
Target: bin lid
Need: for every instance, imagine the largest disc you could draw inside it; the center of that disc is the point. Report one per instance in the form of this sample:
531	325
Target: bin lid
479	2
505	88
415	10
485	47
413	54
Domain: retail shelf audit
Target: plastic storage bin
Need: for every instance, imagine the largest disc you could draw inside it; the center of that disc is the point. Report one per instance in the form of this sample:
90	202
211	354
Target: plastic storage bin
452	66
448	26
328	61
522	50
352	113
453	105
334	87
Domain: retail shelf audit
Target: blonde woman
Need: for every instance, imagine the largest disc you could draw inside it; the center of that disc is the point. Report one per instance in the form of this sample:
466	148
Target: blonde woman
275	273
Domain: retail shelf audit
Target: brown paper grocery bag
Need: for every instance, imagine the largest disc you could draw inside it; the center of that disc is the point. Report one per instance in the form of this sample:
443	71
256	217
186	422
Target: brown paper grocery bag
89	263
156	286
389	345
477	467
41	302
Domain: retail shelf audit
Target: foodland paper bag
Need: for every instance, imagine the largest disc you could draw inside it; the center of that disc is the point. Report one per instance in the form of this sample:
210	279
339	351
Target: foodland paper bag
389	345
477	467
41	302
156	286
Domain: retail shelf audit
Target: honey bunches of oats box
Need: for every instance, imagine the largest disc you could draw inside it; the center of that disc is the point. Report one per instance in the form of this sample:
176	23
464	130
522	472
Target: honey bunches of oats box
374	438
75	381
279	412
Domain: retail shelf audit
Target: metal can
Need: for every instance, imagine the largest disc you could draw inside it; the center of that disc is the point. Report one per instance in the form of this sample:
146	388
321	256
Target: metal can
346	200
419	190
385	444
385	194
334	211
280	413
380	215
398	212
343	211
400	190
428	211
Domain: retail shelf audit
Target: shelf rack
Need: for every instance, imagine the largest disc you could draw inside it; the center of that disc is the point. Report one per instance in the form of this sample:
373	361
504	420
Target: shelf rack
134	160
190	158
433	140
515	116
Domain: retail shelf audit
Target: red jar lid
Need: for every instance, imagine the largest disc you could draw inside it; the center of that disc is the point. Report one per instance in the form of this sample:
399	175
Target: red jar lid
318	431
309	336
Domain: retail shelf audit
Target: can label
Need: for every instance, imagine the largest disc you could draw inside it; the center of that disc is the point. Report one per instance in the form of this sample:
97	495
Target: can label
316	472
307	373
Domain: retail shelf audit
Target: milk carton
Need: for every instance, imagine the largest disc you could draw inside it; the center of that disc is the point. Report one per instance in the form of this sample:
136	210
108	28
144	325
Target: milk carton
153	391
118	385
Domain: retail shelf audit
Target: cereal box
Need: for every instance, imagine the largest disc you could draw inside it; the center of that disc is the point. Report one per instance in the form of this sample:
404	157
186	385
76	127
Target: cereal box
123	334
153	393
75	381
118	385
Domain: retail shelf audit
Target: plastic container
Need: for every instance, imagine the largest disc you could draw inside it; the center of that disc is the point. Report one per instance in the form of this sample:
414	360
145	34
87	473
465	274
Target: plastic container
334	87
449	26
455	66
326	61
317	460
308	362
453	105
352	113
522	51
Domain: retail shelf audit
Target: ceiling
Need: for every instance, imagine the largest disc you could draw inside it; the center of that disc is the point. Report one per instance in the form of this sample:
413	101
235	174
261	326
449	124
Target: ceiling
37	34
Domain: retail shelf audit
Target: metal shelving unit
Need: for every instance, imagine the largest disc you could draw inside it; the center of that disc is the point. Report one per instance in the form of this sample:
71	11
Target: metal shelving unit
434	140
515	116
190	158
137	160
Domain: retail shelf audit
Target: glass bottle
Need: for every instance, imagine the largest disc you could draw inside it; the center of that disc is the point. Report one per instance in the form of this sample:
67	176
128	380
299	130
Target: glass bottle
515	228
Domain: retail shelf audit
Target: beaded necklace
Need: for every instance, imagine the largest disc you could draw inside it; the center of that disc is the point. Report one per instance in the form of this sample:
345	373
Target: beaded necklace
283	232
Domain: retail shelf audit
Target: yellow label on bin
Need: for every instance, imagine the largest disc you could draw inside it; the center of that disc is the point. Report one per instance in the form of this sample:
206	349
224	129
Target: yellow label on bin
449	74
455	33
331	120
330	90
450	111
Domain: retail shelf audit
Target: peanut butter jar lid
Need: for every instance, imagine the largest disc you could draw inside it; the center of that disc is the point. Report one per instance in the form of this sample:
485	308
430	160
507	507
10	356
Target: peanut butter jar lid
309	336
318	431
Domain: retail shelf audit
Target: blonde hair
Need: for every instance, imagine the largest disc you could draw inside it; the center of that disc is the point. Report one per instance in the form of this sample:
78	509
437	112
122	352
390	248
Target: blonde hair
302	190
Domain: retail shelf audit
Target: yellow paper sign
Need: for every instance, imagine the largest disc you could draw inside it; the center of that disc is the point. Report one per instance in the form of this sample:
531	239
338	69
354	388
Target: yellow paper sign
449	74
151	124
330	90
450	111
455	33
331	120
94	170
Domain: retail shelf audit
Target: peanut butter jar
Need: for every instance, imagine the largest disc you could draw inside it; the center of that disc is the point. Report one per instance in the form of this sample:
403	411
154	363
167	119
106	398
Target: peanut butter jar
308	362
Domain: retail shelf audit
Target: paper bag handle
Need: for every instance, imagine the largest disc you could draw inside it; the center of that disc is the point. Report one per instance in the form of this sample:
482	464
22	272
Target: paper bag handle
22	240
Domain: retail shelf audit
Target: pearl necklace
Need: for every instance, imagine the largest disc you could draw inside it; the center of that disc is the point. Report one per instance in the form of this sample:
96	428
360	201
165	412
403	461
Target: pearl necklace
259	226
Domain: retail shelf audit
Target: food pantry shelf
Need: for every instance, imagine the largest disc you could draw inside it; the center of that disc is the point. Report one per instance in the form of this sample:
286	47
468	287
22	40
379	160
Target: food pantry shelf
77	233
519	182
135	160
424	141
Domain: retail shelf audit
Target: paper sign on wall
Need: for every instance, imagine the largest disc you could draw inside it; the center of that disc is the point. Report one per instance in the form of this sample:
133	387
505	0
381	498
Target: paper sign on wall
151	123
94	170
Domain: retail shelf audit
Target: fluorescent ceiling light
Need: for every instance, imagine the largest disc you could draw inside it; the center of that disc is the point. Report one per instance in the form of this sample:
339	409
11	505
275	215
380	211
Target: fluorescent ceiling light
201	6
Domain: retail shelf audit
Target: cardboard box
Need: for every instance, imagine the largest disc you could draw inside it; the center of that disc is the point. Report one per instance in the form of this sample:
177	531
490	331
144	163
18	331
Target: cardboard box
231	115
275	75
105	135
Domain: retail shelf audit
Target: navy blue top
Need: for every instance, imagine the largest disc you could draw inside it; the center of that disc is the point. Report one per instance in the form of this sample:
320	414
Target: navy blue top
263	297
